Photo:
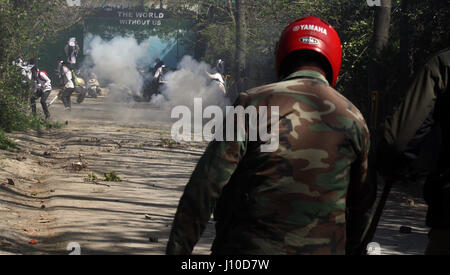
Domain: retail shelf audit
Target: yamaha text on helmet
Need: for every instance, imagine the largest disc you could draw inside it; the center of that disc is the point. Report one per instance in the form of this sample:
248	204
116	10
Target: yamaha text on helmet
310	34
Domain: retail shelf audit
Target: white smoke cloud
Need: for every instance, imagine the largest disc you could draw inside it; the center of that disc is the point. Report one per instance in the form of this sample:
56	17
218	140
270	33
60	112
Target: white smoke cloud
117	61
190	81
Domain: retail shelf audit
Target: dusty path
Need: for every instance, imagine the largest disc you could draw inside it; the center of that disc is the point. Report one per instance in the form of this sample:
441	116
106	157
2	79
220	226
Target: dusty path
128	217
55	205
404	208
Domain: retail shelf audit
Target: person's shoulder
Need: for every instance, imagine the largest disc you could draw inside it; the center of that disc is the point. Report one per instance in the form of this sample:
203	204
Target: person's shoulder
444	58
442	54
269	89
295	89
437	60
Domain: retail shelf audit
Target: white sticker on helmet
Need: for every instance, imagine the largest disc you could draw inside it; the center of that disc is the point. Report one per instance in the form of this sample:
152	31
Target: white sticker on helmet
309	40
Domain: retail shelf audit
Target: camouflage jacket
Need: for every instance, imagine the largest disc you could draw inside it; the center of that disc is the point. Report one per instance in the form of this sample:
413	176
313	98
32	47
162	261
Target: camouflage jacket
295	200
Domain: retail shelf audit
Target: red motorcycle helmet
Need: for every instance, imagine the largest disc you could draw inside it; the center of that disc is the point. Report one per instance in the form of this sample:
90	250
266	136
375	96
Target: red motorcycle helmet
314	34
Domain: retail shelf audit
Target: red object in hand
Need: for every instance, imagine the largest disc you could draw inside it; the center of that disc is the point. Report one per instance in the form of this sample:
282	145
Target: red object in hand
33	242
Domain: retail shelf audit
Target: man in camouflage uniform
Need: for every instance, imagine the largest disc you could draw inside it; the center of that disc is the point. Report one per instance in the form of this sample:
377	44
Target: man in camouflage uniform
310	196
425	109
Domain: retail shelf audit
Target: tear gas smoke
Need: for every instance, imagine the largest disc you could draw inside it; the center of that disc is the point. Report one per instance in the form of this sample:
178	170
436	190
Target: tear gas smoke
116	63
190	81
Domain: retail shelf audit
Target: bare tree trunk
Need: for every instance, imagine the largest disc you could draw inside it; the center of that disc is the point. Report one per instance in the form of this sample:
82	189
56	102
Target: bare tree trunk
405	57
377	85
230	8
241	44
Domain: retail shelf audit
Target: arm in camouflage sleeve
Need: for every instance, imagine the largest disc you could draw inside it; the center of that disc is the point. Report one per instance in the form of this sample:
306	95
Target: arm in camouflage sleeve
211	174
362	193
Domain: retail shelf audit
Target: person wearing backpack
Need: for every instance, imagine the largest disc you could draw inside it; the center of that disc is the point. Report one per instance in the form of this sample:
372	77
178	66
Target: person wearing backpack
43	90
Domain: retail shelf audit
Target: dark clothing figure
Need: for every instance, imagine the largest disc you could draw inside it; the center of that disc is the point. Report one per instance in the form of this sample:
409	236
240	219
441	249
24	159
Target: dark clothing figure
425	107
66	97
158	64
44	96
59	72
71	49
152	86
159	79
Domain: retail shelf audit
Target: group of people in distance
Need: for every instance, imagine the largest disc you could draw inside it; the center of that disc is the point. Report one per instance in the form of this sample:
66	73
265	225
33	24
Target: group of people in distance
38	83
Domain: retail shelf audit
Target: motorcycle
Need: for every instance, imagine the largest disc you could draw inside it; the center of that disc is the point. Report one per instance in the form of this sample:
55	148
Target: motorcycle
93	88
80	88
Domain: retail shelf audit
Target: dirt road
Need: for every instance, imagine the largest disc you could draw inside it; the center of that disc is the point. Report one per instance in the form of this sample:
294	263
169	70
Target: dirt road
52	202
128	217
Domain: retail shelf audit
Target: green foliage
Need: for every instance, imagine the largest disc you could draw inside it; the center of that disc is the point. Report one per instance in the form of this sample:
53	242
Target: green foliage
168	143
5	142
427	29
91	177
112	176
25	25
13	100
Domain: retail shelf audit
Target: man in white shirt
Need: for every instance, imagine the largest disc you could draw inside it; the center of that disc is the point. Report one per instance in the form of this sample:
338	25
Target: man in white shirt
218	79
160	74
43	89
69	86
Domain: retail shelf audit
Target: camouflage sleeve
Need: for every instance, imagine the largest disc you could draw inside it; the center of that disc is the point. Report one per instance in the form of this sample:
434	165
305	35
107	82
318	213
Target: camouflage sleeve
197	203
361	192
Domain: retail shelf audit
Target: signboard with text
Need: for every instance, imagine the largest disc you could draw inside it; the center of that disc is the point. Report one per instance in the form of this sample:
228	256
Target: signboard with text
169	35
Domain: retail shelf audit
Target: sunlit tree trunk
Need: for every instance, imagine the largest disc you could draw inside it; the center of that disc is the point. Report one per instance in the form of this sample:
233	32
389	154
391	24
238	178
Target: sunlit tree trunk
377	85
241	44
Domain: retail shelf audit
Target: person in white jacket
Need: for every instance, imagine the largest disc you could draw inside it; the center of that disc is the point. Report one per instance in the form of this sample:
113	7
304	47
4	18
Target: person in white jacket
43	90
69	86
27	77
220	82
